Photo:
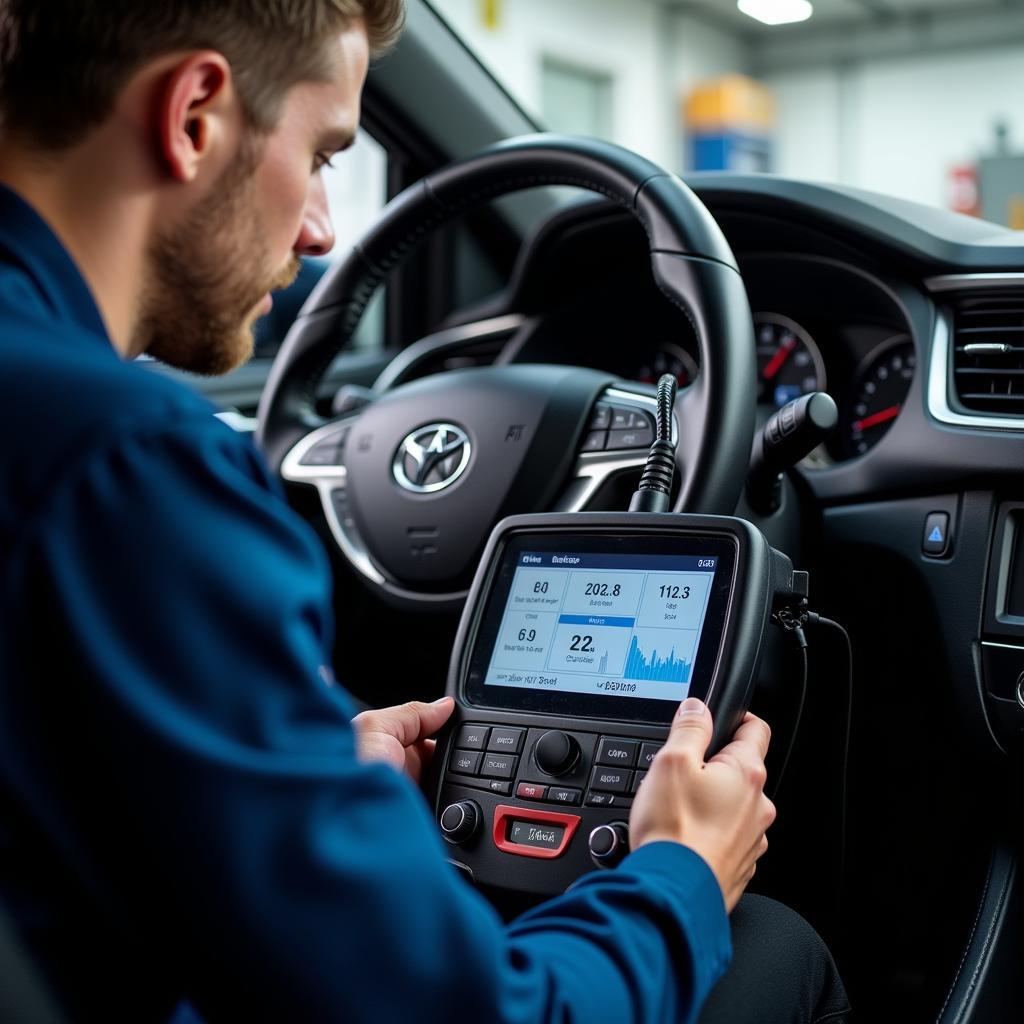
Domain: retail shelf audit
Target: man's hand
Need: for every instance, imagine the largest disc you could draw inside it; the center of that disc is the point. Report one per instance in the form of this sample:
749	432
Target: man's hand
399	736
717	808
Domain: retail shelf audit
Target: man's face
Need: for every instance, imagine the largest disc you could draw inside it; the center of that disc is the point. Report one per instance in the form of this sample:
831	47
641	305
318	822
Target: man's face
211	273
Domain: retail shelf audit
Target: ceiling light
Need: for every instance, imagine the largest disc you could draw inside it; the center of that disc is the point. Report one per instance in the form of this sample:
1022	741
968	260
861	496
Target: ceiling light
776	12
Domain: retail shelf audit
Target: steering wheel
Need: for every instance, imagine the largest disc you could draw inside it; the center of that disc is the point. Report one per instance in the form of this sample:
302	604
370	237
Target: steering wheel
412	483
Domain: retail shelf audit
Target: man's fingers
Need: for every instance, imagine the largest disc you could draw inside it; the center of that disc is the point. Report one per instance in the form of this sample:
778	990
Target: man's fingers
691	728
407	722
753	730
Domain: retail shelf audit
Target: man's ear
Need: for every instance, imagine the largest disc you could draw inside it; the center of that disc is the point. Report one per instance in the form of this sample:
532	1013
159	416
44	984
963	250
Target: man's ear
196	104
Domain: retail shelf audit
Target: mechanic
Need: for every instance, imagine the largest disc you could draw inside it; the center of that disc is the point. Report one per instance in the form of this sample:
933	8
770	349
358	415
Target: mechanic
190	824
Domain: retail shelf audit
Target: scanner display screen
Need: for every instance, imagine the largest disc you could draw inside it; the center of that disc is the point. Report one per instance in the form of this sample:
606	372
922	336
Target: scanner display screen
600	623
635	620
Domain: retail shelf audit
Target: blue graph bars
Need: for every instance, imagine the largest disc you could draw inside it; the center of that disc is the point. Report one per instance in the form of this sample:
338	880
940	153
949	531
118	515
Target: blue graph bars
669	669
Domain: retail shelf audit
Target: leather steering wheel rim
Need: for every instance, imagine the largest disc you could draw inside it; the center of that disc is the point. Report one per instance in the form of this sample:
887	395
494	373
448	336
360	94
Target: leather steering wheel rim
691	262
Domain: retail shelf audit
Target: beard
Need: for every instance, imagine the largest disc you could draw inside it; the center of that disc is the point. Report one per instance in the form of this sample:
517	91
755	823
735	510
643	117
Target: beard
208	276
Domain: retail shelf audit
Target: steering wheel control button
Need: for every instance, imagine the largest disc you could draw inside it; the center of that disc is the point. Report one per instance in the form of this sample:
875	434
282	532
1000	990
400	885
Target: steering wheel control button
637	779
629	419
936	534
465	762
556	753
621	752
507	740
610	780
647	752
602	417
602	800
562	795
499	766
609	844
594	441
324	453
531	791
460	821
642	437
472	737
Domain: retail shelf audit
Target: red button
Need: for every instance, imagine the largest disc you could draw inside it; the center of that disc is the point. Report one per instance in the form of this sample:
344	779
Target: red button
531	791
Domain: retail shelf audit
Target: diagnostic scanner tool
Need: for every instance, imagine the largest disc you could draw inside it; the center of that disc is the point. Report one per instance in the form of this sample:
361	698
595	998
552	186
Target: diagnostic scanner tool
581	634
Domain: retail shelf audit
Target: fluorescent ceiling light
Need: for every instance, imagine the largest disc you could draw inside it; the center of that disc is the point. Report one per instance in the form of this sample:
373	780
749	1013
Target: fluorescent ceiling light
776	12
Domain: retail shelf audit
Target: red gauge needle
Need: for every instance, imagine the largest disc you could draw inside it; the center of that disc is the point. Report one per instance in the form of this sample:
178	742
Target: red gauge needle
779	358
875	418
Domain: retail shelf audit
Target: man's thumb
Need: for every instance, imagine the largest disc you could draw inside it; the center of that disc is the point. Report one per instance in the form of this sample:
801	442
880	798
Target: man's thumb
692	726
433	716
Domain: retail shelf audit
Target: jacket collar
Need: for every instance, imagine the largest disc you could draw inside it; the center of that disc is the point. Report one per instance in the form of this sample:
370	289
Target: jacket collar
30	244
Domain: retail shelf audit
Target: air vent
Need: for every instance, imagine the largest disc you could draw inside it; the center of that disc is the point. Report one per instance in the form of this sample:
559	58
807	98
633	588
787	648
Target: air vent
988	351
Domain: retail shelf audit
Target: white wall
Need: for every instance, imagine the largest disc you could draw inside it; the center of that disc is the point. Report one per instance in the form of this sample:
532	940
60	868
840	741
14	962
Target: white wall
895	126
698	52
807	141
651	54
903	123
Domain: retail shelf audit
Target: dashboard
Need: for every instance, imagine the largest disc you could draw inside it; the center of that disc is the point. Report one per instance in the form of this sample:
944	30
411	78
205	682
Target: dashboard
822	322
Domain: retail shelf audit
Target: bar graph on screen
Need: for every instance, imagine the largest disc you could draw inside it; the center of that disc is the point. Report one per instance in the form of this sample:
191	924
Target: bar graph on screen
666	669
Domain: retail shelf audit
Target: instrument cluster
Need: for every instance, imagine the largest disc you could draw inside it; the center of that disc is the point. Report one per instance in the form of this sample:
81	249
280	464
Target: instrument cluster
818	326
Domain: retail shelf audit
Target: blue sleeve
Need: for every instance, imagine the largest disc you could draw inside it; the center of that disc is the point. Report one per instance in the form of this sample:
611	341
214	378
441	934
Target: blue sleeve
292	881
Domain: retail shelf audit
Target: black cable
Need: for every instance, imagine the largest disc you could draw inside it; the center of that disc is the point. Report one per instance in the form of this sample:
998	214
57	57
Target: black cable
802	641
666	405
655	490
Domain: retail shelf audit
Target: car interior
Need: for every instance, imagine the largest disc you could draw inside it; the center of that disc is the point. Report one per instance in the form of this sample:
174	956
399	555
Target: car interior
894	763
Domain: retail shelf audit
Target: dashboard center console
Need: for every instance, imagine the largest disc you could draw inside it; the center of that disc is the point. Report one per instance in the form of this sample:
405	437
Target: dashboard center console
581	635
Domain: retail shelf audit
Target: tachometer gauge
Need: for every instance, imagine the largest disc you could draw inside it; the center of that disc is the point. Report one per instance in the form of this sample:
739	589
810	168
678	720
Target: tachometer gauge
669	358
879	390
789	363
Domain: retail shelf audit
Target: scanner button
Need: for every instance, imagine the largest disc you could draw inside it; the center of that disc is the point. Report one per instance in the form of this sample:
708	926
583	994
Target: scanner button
602	800
499	766
637	779
610	780
531	791
465	762
618	752
560	795
497	786
472	737
647	752
506	740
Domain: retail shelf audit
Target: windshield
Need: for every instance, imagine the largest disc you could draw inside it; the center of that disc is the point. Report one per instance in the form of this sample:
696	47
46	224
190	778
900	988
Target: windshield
920	100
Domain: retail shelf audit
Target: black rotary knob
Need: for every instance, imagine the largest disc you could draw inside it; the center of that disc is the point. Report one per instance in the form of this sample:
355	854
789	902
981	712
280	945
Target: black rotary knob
460	821
609	844
556	753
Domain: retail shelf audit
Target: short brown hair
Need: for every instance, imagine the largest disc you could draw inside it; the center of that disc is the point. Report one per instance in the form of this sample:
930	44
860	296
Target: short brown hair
63	62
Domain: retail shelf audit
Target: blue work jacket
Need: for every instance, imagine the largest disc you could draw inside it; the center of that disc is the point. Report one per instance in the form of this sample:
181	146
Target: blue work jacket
182	813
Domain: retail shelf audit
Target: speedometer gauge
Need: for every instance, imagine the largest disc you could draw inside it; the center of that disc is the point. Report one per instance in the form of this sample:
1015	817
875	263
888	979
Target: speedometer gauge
880	389
669	358
789	363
